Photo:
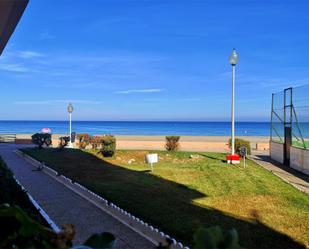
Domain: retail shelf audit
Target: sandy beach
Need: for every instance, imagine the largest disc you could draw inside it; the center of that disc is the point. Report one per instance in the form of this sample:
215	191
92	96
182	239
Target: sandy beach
187	143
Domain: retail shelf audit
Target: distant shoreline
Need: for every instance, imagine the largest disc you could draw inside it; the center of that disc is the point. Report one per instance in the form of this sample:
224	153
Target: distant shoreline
162	137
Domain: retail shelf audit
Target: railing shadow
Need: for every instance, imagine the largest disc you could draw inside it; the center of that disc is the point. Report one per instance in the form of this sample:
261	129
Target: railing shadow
154	199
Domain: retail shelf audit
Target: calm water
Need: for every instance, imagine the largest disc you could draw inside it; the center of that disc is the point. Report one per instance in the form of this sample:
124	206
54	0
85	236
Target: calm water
138	128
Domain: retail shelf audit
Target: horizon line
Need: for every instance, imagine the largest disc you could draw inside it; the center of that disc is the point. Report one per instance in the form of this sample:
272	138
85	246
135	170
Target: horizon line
179	121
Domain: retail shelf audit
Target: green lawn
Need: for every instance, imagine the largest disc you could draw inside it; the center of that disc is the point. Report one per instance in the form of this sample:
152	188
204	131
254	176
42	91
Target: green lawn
183	194
300	144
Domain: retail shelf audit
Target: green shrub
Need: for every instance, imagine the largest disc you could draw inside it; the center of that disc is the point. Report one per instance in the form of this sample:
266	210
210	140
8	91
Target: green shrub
172	143
108	145
63	142
240	143
11	193
95	142
215	237
41	139
83	140
21	231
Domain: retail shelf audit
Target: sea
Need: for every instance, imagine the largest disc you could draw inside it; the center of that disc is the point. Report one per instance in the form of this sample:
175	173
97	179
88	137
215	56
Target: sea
138	128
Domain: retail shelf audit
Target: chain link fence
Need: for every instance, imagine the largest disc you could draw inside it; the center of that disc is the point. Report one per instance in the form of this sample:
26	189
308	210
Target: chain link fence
277	117
290	108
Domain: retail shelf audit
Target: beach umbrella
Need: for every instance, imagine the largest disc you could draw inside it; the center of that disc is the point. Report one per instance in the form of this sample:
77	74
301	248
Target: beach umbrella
46	130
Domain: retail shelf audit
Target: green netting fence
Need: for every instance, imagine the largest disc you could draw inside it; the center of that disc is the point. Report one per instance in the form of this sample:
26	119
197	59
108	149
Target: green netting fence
290	108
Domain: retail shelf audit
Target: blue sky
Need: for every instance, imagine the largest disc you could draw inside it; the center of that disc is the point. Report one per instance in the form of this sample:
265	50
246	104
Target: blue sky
152	60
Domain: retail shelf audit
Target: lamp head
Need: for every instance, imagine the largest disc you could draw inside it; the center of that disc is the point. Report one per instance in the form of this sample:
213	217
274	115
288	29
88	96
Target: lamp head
233	58
70	108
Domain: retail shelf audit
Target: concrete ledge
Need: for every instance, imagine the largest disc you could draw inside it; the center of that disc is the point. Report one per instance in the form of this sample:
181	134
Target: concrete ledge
147	231
262	146
276	151
299	160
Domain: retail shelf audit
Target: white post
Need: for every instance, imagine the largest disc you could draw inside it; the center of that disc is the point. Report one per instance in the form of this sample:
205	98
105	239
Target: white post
233	117
70	143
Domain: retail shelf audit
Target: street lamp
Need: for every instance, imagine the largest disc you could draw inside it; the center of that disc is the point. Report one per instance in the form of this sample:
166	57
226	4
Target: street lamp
70	110
233	61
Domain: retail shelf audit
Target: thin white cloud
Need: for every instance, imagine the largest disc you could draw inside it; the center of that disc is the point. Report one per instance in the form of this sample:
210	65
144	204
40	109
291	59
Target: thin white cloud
45	35
30	54
151	90
74	85
14	68
58	102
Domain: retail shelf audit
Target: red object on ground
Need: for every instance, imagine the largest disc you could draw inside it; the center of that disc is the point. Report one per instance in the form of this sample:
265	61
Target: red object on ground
233	158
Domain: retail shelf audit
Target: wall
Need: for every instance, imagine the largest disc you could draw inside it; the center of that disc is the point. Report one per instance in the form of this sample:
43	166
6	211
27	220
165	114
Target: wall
262	146
276	151
299	160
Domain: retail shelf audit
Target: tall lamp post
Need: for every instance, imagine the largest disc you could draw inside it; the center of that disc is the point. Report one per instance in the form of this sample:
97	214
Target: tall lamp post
233	158
70	110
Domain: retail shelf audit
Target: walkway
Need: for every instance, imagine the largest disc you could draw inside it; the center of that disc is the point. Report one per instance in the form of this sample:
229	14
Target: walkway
65	207
297	179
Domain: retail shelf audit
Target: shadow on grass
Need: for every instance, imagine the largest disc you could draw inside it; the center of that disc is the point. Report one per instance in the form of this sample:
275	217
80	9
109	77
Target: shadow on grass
162	203
213	157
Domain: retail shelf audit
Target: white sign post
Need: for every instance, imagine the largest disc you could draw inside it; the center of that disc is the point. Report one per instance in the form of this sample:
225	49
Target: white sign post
151	159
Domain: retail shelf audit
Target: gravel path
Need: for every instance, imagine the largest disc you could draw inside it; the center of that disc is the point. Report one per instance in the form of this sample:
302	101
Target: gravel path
65	207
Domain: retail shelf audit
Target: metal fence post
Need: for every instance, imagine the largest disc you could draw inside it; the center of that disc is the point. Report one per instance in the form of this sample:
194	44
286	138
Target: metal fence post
271	117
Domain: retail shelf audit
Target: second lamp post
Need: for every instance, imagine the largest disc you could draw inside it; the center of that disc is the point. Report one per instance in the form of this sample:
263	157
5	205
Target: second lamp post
70	110
233	158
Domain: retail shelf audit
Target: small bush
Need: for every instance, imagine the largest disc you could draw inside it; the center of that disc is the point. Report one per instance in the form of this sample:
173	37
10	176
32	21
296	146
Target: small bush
95	142
172	143
108	145
63	142
83	140
216	237
41	139
240	143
